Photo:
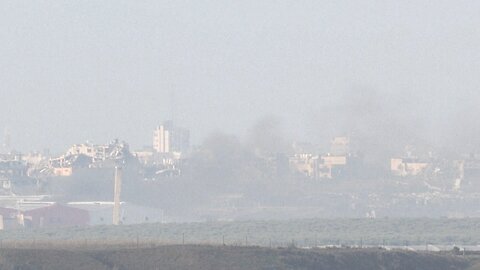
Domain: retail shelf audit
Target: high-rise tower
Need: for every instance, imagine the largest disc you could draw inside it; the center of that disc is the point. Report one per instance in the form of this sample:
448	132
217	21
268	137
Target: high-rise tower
168	138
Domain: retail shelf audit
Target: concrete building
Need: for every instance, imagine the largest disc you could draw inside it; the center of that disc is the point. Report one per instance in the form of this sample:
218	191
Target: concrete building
168	138
306	164
408	166
318	167
338	163
12	166
88	155
87	213
50	215
145	157
102	152
62	171
56	215
331	166
13	169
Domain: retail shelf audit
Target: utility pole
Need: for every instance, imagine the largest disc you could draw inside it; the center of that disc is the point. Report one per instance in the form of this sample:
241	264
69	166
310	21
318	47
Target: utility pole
116	196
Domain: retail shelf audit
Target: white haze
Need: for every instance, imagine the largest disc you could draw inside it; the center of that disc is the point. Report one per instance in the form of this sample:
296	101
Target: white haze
96	70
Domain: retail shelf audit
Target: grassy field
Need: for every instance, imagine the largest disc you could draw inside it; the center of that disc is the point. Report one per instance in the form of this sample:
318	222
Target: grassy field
307	232
196	257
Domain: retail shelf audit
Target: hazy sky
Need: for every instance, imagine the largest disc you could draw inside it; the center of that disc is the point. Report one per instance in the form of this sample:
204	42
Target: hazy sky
72	71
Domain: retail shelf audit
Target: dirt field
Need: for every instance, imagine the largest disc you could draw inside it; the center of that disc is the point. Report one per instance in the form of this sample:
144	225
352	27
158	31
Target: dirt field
226	257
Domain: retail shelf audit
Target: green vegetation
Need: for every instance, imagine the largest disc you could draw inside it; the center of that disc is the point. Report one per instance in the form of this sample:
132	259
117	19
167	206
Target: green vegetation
306	232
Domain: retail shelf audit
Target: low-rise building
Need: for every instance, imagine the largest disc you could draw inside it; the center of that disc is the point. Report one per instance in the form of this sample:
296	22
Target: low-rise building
62	171
339	162
12	165
408	166
56	215
306	164
100	213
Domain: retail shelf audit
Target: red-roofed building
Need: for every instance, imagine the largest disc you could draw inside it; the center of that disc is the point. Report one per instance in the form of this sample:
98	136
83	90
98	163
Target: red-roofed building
56	215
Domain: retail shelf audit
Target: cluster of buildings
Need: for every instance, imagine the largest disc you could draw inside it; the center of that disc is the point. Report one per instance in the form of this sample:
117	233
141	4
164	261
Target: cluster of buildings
339	162
170	149
459	172
171	146
89	155
167	157
20	176
342	162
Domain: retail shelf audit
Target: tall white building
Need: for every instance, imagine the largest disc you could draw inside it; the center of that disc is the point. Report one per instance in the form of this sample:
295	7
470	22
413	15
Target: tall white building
168	138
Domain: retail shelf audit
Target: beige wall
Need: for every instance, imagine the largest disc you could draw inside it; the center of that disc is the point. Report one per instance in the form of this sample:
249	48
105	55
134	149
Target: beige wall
66	171
334	160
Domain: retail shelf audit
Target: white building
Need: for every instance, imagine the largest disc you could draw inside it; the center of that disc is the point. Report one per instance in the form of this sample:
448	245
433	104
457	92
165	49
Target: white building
170	139
101	213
